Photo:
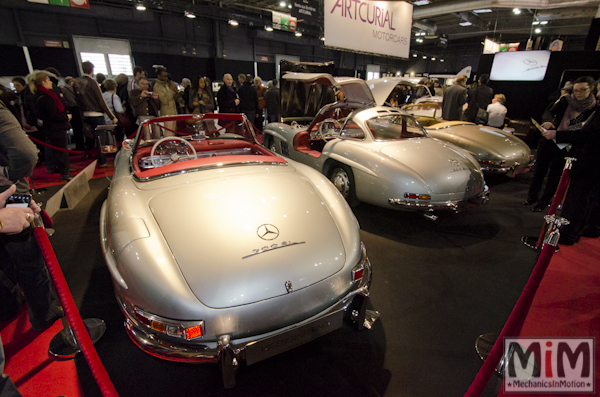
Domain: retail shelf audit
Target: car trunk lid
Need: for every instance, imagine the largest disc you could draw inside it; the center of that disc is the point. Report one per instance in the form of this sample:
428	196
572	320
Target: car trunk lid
244	239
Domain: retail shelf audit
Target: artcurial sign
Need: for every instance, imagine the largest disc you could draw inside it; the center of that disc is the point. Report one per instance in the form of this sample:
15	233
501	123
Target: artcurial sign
379	27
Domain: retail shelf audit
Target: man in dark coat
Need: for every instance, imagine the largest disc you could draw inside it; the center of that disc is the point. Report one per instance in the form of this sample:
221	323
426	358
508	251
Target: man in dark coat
479	98
273	100
454	99
144	103
248	97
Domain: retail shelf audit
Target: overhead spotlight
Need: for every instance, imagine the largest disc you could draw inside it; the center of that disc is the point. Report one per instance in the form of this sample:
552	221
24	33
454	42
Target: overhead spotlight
269	28
414	55
441	60
421	2
190	15
433	58
140	7
323	38
398	73
466	23
538	30
543	22
298	34
516	11
535	22
424	56
289	6
282	4
419	40
233	22
482	11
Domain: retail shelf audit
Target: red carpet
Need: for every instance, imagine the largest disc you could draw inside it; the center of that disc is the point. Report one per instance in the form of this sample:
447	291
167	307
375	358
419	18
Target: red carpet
567	302
41	179
28	364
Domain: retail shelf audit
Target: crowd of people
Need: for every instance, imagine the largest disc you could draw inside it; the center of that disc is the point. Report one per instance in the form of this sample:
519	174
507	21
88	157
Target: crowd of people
47	106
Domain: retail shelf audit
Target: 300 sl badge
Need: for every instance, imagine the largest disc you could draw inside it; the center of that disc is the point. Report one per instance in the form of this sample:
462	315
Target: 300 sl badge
272	247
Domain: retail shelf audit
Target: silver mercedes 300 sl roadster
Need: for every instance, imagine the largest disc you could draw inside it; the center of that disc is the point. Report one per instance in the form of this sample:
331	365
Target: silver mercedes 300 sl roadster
221	251
376	154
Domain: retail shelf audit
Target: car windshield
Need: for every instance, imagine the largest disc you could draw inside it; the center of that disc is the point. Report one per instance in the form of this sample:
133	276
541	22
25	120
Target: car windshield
394	127
177	144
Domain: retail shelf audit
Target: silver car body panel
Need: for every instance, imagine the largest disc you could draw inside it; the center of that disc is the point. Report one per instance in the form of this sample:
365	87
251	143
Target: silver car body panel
189	248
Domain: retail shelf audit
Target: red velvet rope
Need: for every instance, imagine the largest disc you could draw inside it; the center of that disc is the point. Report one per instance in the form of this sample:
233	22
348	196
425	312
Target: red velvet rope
66	299
60	149
558	197
513	324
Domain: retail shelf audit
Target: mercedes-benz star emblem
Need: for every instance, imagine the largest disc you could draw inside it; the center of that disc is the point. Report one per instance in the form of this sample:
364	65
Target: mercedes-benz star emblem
529	61
267	232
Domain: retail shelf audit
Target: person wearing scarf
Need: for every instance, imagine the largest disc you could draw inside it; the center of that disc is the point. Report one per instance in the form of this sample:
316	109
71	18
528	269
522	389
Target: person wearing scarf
53	113
580	205
569	113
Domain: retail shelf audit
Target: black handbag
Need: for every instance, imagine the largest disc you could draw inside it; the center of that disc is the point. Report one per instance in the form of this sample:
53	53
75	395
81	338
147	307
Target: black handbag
482	116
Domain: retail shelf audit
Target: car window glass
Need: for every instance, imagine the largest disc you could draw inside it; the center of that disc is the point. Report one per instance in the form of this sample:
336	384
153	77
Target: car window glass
352	130
393	127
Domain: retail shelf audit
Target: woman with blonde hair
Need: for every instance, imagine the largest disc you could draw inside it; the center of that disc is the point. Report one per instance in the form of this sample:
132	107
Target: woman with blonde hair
53	113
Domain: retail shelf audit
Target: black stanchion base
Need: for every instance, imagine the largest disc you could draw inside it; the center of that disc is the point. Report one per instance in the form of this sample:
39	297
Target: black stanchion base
64	345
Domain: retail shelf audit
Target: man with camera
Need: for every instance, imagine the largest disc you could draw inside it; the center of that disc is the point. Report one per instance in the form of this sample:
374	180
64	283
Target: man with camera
145	104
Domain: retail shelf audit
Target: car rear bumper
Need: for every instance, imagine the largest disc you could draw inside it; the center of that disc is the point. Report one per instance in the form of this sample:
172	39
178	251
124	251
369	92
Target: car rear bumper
256	348
456	206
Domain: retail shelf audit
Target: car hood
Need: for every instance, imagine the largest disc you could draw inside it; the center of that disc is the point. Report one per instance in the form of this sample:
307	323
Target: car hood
240	239
491	139
444	167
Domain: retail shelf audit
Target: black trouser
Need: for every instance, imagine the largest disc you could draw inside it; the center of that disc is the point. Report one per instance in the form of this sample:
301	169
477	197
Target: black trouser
23	263
549	160
95	122
578	207
60	159
77	125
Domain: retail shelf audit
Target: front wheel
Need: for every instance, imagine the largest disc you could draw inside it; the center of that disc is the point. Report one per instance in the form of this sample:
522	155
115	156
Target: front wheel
342	177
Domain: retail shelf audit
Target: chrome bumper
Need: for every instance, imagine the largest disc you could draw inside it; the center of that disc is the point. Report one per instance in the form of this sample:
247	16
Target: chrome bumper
300	333
456	206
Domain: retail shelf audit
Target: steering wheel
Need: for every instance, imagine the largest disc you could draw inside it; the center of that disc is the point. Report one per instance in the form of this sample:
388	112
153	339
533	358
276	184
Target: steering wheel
322	131
174	157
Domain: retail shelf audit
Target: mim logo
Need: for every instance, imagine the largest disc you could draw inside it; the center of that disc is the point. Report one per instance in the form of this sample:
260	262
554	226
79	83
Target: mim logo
549	365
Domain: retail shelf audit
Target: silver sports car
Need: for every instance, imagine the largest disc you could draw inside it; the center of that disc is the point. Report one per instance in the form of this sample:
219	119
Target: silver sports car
222	251
496	151
378	154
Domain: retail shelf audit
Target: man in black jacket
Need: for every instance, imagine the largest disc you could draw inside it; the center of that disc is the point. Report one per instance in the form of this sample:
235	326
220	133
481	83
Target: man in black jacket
248	97
479	98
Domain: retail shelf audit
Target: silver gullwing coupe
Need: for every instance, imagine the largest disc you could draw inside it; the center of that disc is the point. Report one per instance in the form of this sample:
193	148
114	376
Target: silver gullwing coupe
378	154
221	251
497	151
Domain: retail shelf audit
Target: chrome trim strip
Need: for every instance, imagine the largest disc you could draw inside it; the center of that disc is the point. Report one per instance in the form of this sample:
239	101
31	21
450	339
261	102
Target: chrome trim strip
208	167
456	206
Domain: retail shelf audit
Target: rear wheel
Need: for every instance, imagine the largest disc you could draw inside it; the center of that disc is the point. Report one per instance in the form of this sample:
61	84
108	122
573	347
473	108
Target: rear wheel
343	178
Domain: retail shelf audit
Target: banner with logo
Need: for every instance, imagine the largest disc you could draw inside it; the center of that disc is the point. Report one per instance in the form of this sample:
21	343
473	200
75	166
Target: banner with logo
80	3
65	3
379	27
306	10
284	22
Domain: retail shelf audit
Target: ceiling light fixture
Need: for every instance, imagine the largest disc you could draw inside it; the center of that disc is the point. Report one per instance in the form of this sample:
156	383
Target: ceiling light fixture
424	56
535	22
140	7
298	34
433	58
233	22
538	30
441	60
289	6
282	4
419	40
482	11
190	15
543	22
465	23
323	38
516	11
269	28
414	55
421	2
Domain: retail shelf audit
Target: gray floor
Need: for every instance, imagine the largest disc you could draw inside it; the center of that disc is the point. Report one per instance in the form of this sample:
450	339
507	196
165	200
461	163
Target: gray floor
437	286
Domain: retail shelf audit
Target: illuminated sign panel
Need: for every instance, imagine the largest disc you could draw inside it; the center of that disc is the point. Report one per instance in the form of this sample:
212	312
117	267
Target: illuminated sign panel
378	27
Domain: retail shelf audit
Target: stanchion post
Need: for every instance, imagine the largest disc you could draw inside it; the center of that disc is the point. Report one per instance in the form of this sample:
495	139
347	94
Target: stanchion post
536	243
490	349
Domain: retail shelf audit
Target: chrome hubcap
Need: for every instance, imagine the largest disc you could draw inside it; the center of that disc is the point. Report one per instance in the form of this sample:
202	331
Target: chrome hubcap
341	181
